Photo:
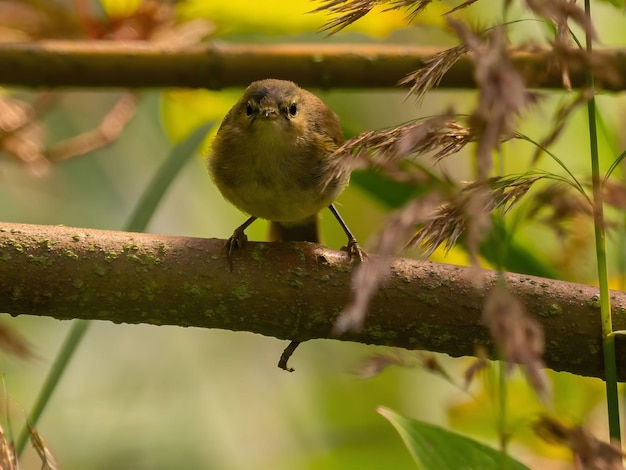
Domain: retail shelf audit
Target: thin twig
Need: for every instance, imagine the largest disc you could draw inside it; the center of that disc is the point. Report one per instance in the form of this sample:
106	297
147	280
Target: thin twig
217	65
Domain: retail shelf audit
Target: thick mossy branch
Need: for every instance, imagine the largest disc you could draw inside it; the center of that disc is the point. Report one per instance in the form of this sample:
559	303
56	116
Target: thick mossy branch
286	290
216	65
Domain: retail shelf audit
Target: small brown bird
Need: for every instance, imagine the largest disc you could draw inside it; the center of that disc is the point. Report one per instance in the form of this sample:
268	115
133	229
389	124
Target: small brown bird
273	158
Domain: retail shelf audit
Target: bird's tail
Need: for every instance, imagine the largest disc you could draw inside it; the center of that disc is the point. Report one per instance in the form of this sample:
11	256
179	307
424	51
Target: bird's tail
306	230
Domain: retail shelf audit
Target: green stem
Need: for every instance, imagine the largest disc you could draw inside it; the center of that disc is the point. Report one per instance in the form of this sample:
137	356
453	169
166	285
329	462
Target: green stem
137	223
608	339
71	342
502	404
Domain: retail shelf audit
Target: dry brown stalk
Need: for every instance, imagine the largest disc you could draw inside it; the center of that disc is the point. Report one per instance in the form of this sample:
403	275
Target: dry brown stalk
217	65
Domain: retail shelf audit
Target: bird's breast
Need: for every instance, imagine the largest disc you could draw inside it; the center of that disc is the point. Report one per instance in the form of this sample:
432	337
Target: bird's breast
275	176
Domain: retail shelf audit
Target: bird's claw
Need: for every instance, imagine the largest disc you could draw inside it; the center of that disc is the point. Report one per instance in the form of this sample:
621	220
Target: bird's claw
236	241
355	252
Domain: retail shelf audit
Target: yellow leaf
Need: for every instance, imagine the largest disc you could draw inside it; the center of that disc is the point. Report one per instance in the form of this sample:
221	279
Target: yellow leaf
120	8
479	414
184	110
281	17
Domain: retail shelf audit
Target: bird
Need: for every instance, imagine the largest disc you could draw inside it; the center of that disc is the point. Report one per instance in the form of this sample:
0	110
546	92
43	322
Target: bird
274	157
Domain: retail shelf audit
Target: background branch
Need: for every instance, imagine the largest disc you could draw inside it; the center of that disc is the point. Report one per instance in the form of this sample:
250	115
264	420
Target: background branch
285	290
217	65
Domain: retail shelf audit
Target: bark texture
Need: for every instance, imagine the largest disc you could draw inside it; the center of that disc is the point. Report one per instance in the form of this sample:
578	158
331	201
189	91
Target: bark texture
216	65
286	290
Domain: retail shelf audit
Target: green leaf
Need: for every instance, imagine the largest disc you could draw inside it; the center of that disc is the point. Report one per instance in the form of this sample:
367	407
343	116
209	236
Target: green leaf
435	448
391	194
516	257
161	181
615	3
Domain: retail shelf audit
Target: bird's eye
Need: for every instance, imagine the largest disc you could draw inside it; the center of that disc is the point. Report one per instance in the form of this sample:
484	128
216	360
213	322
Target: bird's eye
248	109
293	109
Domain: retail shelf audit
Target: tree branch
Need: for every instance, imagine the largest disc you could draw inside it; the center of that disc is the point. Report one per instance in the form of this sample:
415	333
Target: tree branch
217	65
286	290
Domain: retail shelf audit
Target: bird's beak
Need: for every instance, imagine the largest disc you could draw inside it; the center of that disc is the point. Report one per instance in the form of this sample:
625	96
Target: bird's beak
269	113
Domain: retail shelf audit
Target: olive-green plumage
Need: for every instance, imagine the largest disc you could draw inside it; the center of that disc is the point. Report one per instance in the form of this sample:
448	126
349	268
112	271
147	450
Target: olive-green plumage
271	157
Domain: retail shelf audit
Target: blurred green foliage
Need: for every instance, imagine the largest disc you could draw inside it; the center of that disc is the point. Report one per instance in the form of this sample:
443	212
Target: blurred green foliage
145	397
426	443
